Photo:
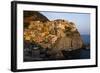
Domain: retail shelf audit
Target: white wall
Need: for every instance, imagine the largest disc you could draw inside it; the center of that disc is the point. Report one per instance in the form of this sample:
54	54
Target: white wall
87	2
5	37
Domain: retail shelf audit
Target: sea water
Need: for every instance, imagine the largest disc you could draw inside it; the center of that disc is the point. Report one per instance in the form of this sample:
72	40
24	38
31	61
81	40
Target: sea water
85	53
86	39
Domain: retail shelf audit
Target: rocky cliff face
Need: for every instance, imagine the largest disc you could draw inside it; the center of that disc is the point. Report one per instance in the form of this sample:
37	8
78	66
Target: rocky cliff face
57	35
70	38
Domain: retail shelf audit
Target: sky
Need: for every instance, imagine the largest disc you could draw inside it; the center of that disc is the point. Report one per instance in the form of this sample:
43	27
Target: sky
82	20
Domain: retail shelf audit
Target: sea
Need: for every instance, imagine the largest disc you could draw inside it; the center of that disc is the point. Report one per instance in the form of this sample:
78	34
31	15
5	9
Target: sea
86	39
85	53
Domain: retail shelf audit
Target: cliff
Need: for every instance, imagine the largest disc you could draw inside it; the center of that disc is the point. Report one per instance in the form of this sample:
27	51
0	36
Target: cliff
56	35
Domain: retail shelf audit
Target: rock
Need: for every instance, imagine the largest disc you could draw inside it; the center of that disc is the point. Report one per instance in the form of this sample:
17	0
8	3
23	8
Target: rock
71	40
69	43
57	35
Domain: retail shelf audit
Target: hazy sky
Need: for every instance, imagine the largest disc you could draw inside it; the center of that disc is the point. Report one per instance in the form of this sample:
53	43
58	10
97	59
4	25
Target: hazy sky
82	20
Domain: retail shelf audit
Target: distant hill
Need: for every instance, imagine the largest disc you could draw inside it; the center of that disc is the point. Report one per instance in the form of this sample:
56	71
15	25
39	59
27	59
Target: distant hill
33	16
